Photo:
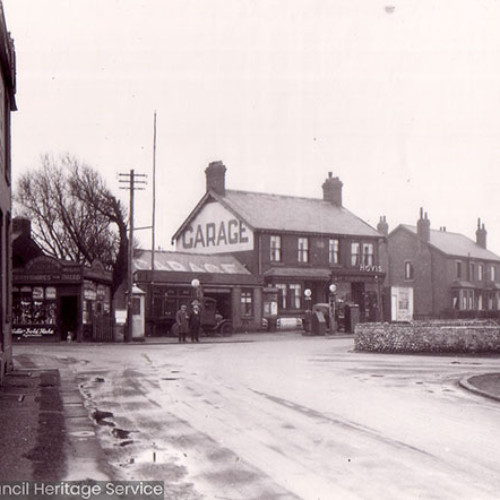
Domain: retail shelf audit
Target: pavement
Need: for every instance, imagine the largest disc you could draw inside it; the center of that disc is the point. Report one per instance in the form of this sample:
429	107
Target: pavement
46	433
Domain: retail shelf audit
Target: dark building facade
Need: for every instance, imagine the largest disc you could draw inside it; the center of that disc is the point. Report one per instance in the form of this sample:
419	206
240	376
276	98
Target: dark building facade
451	275
53	299
293	244
168	284
7	105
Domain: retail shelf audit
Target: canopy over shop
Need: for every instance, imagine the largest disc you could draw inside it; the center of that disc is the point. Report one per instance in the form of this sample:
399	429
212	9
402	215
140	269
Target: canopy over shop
180	278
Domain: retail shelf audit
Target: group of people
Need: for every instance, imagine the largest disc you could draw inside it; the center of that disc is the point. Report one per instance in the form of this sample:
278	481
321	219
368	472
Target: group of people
188	322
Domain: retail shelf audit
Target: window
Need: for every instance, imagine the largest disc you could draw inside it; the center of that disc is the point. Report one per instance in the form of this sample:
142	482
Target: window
275	242
459	269
408	270
493	273
470	300
368	254
303	250
246	303
282	295
480	272
295	296
472	271
333	251
355	254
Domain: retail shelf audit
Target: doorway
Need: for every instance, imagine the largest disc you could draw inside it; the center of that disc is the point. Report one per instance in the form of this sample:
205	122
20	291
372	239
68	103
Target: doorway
68	316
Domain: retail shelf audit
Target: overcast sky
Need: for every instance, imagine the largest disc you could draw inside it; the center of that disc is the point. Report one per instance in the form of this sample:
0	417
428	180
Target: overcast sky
400	99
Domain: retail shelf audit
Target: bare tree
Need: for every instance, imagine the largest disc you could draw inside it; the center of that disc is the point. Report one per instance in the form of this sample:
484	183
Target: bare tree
74	215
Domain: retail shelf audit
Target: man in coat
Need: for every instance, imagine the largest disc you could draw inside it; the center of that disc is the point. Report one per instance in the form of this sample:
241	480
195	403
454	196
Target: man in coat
182	320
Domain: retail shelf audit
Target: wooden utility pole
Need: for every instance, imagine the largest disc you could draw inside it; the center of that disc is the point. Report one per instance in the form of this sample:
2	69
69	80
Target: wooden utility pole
132	182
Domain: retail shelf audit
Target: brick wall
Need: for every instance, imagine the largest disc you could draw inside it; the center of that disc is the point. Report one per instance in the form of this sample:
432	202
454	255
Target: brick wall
475	336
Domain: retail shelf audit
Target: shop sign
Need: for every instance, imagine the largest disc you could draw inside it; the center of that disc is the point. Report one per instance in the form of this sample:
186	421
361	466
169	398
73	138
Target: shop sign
370	269
89	290
215	230
50	293
37	293
33	331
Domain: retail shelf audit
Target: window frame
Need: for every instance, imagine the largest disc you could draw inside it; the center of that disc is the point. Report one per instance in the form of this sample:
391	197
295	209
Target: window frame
333	251
275	253
303	250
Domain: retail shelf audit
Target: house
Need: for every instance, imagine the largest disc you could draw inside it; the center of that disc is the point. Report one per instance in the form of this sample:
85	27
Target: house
7	105
296	245
451	275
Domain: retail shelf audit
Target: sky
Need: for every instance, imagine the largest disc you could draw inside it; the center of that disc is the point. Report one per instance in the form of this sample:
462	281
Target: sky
398	98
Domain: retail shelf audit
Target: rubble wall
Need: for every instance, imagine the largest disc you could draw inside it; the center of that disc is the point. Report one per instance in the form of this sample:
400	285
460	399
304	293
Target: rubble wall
428	337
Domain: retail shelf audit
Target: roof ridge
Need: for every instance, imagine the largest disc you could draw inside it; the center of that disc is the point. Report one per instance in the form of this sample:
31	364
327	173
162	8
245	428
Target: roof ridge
276	195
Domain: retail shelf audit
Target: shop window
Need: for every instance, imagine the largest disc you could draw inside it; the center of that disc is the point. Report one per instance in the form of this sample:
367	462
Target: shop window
409	273
470	300
480	301
275	244
480	272
246	303
333	251
355	254
34	306
303	250
295	296
459	269
281	295
368	259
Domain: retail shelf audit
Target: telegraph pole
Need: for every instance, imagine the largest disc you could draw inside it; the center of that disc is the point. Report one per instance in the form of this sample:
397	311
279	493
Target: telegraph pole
132	182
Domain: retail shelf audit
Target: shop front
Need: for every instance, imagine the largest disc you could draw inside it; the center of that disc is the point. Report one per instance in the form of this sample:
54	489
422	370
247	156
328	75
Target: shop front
56	300
231	297
299	289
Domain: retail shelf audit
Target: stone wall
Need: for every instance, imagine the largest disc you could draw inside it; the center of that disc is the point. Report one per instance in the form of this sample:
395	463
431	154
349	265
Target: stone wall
440	336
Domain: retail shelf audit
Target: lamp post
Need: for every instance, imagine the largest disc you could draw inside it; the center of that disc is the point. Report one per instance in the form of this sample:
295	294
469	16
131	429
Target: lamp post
195	283
332	291
307	321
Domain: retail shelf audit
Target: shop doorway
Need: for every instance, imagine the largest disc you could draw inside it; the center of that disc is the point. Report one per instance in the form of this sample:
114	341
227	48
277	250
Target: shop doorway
68	316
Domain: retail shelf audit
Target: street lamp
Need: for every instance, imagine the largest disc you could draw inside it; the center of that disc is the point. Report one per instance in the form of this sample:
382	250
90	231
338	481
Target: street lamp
307	320
332	290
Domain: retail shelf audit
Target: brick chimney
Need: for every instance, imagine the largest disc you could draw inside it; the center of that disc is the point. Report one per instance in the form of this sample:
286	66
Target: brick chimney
332	190
382	226
216	177
481	234
424	227
22	225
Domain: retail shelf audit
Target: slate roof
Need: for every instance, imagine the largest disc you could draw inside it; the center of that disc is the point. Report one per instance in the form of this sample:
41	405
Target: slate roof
274	212
455	244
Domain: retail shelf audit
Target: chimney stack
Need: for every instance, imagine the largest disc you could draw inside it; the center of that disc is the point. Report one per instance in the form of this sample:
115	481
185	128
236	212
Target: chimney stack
216	177
332	190
382	226
481	234
424	227
22	225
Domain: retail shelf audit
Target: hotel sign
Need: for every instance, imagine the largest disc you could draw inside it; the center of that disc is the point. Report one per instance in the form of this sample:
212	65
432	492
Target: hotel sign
215	230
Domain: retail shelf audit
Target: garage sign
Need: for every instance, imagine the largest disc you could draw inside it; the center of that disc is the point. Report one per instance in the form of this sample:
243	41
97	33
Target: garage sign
215	230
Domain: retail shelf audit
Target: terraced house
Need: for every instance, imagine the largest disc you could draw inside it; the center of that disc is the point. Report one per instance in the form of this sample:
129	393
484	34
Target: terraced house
451	274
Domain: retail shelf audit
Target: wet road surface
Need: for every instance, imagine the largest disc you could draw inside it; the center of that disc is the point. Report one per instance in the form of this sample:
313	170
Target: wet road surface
295	418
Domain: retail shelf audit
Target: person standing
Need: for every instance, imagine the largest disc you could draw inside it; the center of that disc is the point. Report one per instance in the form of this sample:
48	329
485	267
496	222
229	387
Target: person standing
194	324
182	320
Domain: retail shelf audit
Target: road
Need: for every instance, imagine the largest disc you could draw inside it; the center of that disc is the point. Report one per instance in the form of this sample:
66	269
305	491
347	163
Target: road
287	417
